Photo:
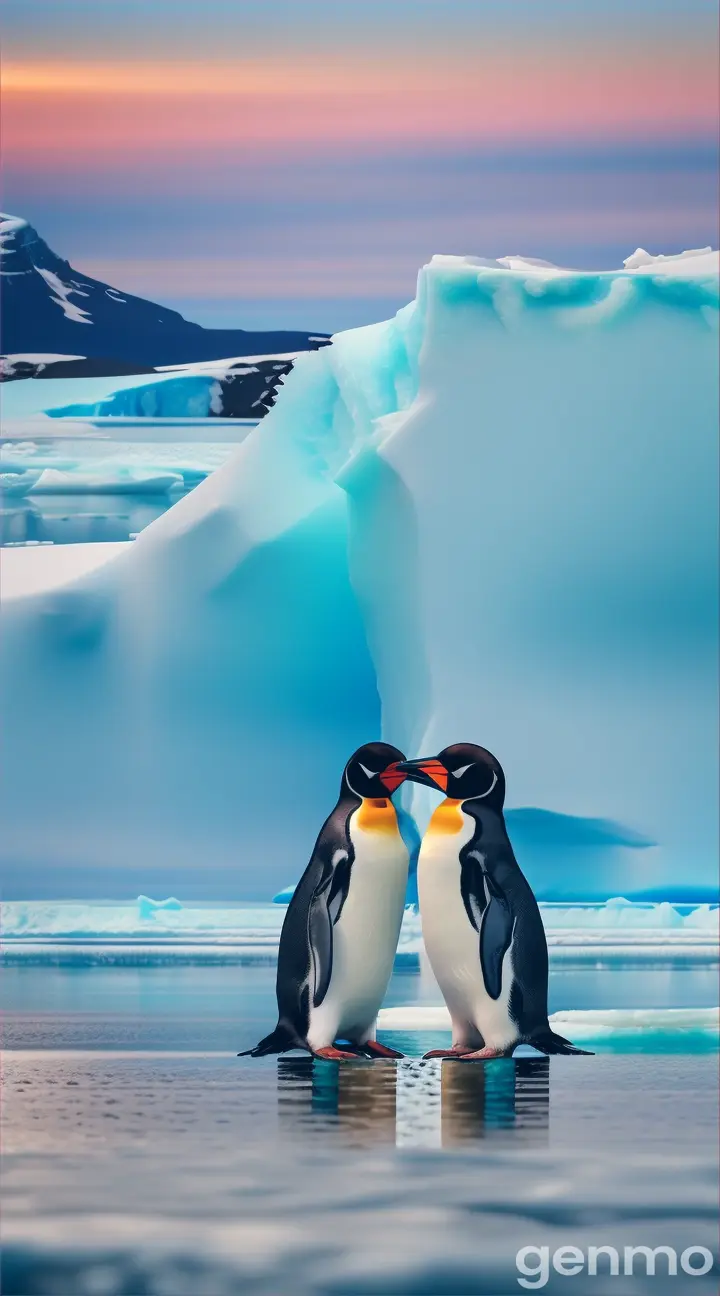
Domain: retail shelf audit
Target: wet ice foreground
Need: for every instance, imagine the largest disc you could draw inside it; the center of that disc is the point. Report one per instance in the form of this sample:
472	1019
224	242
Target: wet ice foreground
139	1173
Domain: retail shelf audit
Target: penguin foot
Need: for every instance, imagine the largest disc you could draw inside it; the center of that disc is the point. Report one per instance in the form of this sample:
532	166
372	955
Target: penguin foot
483	1054
457	1051
335	1054
374	1049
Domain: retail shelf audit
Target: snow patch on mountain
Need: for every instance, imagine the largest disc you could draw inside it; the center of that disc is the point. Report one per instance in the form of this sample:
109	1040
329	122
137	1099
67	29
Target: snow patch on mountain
128	329
62	293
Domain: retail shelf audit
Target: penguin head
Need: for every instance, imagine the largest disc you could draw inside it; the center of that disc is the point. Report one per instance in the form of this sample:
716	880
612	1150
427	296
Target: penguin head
464	772
372	771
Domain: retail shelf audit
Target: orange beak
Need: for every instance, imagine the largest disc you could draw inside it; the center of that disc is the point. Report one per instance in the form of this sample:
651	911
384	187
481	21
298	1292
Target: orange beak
392	777
428	771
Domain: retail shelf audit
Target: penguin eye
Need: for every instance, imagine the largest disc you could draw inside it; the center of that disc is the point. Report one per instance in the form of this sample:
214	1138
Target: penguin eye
367	772
458	773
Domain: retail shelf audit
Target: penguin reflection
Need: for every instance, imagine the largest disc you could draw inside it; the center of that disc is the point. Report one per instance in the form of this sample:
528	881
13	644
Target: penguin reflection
510	1094
357	1101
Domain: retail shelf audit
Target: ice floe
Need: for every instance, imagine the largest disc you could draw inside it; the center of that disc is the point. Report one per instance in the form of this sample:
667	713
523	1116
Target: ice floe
577	1023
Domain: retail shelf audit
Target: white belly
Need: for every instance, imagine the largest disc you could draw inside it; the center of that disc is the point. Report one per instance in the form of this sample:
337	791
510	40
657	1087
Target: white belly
452	943
364	939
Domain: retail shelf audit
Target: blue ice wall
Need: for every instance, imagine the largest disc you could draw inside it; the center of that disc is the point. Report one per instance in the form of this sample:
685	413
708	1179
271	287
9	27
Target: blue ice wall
493	518
560	464
187	396
197	752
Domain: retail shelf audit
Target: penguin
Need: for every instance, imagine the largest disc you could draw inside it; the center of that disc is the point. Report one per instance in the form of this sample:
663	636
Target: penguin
341	929
481	923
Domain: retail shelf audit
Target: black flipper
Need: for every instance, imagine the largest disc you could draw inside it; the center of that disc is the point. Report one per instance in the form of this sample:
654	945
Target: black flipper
548	1042
325	909
339	888
472	889
490	915
495	936
320	936
279	1041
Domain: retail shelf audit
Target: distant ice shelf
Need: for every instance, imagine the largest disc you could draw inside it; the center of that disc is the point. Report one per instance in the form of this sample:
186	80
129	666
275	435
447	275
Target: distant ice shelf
166	931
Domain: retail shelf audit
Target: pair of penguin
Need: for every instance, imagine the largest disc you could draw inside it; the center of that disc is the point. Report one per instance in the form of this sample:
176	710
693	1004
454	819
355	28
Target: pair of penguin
481	924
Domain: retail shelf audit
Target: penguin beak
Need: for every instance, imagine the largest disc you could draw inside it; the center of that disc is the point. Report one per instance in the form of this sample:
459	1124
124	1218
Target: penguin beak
392	777
428	771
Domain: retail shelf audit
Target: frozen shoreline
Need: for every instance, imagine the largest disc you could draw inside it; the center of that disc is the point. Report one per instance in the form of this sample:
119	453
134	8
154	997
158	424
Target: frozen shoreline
150	932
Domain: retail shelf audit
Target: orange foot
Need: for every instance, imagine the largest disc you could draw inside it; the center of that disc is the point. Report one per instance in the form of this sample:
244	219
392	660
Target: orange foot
335	1054
380	1050
481	1055
457	1051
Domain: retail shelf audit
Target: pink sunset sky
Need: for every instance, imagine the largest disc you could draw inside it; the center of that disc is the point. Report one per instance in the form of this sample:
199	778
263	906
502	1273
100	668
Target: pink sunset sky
297	162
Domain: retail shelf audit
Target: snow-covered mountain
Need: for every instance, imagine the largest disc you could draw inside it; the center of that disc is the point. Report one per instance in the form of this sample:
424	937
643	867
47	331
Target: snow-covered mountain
48	309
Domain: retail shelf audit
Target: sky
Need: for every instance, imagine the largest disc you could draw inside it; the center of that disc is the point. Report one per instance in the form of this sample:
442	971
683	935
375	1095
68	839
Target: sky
293	163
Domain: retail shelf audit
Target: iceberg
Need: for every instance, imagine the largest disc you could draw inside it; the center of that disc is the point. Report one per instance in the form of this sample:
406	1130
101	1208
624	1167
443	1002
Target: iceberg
285	896
17	484
148	908
123	481
491	517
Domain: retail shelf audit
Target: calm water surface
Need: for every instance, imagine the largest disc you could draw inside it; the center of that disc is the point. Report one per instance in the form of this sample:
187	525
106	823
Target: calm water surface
142	1157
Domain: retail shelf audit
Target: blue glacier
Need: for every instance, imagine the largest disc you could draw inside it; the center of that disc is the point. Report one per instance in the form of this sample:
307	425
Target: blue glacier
242	387
493	517
188	396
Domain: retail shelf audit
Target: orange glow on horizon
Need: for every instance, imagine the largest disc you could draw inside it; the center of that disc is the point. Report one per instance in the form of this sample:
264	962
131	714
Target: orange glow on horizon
95	115
51	112
240	78
520	79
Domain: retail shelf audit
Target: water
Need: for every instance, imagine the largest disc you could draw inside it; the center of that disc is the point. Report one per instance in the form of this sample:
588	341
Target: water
142	1157
227	1008
100	517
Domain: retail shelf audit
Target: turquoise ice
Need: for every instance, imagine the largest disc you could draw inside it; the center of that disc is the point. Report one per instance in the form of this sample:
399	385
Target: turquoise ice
493	517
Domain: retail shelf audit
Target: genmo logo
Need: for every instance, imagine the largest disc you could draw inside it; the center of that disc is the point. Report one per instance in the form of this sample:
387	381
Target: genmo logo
536	1262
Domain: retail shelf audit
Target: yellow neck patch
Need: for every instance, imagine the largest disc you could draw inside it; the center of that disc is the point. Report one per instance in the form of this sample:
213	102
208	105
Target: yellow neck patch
447	819
376	816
